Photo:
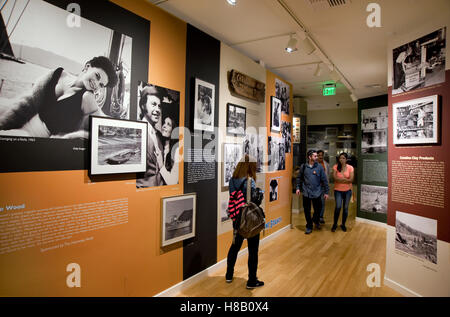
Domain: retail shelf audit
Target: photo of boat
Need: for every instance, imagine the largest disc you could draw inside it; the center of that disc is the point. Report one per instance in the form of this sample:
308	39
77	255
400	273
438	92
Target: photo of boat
118	146
179	225
121	157
178	218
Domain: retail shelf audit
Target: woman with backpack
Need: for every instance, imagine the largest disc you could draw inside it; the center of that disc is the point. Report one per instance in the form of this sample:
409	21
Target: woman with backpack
245	170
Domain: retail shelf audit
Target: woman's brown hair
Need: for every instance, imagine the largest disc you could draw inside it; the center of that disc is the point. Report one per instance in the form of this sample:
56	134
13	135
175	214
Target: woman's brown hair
245	168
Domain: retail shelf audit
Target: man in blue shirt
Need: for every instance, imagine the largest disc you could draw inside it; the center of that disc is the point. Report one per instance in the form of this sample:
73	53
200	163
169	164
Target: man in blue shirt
312	182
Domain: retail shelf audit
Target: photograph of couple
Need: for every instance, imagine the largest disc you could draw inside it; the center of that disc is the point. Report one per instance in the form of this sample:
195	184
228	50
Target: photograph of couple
160	108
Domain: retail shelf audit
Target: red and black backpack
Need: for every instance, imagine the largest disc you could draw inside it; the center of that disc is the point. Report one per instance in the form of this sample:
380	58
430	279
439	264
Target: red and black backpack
235	203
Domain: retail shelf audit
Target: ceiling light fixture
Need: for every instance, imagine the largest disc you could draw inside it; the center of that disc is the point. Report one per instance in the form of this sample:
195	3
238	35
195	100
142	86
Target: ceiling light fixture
232	2
318	71
307	46
291	45
353	96
335	76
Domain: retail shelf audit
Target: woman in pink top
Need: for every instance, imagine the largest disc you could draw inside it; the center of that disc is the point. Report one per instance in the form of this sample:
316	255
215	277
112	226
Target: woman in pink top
343	174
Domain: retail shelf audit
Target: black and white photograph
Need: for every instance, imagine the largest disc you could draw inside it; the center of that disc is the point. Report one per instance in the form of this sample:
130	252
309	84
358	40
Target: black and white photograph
236	119
232	153
315	137
117	146
178	218
251	145
374	129
419	63
204	106
224	210
276	154
54	75
416	121
282	92
374	199
254	147
286	133
273	150
282	155
87	69
275	117
260	151
273	189
416	235
160	108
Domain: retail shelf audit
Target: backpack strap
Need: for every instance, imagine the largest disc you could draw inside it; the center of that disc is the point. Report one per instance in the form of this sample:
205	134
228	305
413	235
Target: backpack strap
249	189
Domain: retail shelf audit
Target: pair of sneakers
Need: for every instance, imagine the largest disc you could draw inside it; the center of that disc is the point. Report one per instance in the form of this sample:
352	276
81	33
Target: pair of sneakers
250	284
343	227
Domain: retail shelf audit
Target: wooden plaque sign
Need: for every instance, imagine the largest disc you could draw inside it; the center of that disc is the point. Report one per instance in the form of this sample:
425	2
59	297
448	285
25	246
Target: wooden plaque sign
245	86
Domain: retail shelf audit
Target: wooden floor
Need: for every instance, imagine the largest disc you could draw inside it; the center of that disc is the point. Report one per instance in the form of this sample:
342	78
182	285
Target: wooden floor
320	264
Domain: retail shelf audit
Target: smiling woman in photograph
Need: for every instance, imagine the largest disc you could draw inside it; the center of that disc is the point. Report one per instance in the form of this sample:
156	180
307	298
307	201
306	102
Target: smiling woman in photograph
168	159
59	106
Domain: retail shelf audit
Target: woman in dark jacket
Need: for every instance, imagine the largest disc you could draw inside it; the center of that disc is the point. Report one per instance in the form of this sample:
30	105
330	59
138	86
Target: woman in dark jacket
246	169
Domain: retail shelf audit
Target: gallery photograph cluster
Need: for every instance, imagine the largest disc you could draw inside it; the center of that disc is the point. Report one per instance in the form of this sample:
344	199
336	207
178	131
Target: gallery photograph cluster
85	108
416	143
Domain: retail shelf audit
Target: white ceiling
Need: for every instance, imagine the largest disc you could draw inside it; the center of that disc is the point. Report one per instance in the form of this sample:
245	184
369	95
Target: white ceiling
260	29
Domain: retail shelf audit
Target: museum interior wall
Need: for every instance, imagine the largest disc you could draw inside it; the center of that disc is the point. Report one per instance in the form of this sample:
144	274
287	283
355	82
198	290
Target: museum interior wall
418	236
65	232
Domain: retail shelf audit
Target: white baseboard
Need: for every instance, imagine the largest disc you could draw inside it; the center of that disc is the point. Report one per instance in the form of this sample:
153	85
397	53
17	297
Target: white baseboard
400	288
176	289
371	222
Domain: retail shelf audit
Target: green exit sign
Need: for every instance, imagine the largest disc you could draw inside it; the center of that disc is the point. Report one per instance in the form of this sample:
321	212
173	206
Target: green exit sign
329	90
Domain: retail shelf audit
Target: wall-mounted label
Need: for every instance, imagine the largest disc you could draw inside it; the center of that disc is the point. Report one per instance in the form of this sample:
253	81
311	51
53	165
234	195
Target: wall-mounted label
273	223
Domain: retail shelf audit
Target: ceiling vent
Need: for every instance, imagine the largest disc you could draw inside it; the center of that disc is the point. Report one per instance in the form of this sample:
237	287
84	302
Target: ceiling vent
327	4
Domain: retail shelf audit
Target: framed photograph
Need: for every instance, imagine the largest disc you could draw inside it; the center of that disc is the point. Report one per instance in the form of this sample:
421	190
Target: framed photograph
117	146
416	235
236	119
232	153
286	133
419	63
416	121
374	199
275	117
177	218
273	189
374	127
282	92
204	106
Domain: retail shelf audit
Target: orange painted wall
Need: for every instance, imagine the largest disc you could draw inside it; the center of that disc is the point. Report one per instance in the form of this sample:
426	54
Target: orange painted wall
123	260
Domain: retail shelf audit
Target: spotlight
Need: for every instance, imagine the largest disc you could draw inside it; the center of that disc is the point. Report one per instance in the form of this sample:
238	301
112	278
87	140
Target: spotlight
318	71
232	2
335	76
291	45
307	46
353	96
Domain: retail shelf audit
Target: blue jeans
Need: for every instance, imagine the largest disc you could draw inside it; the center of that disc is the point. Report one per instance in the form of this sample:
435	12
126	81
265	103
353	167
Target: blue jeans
322	211
342	199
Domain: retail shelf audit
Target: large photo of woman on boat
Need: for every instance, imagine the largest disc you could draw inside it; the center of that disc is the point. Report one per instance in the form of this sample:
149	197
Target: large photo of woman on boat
55	75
